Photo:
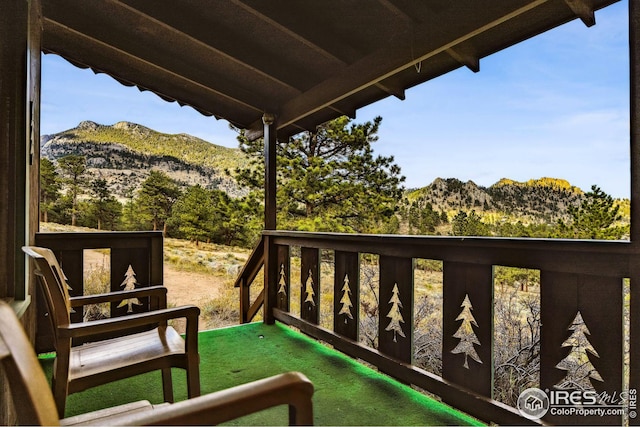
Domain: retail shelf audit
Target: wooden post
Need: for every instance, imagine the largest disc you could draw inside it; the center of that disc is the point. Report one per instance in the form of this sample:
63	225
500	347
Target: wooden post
270	143
20	33
270	252
13	126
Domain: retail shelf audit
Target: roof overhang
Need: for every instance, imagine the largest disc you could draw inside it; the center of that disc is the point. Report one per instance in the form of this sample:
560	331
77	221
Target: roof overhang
306	61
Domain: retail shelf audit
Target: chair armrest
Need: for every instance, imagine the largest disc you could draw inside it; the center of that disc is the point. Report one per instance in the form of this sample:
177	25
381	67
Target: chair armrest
190	312
292	389
149	291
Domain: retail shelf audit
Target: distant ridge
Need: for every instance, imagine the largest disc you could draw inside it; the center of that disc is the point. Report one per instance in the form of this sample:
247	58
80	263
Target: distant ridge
125	152
537	200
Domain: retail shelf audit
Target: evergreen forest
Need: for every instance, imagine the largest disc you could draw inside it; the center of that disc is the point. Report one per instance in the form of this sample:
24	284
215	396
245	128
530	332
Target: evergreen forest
328	180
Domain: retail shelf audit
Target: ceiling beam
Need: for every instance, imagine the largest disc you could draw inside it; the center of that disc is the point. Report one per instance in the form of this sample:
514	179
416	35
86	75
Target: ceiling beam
367	72
328	39
118	31
232	47
392	89
469	61
316	46
123	60
584	11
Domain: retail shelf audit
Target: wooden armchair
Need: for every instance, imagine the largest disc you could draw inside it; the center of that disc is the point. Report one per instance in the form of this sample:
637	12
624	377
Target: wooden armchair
159	347
35	405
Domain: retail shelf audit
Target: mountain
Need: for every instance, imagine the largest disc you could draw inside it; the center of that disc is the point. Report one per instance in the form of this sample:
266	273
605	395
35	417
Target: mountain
537	200
124	153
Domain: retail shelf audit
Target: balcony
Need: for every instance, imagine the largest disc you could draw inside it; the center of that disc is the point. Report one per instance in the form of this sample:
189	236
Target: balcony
346	392
578	280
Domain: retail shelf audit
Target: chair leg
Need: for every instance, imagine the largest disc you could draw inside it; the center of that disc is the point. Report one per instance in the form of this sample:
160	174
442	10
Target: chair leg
60	389
193	381
167	385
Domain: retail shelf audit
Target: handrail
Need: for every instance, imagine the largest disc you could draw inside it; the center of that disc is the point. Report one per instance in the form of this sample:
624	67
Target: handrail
578	278
245	279
253	265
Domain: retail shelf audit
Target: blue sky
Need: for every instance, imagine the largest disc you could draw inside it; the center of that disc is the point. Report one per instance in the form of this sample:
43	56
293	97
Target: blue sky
553	106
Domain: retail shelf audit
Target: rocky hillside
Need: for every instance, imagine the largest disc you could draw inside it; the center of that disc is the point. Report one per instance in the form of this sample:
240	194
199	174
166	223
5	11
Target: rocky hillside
124	153
537	200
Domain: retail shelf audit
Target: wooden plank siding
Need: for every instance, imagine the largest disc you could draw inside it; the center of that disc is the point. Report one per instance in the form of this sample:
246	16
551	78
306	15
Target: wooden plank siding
576	277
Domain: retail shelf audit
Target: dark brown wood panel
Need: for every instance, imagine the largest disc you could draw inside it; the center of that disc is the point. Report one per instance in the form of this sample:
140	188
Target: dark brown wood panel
310	285
581	337
467	341
284	278
346	294
395	324
143	250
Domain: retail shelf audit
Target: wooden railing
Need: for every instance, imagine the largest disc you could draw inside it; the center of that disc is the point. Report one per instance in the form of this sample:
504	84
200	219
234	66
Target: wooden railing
139	253
245	279
577	278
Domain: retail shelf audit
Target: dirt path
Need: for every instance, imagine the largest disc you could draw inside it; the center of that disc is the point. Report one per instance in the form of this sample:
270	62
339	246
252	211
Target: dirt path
183	287
190	288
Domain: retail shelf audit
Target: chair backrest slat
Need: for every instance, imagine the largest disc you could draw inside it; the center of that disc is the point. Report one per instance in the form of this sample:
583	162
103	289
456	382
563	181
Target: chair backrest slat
53	283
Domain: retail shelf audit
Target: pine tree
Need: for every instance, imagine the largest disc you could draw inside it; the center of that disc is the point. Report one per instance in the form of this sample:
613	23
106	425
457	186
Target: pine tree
128	284
346	300
395	314
329	179
104	210
466	334
595	218
471	224
309	292
194	215
577	363
156	198
73	169
50	186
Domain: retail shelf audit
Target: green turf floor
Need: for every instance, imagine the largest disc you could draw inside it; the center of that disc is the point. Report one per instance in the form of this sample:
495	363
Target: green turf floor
346	392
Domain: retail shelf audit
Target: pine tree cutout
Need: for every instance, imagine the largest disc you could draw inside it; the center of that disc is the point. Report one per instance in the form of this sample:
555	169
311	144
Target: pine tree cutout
129	284
466	334
346	300
309	292
395	315
282	282
577	363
